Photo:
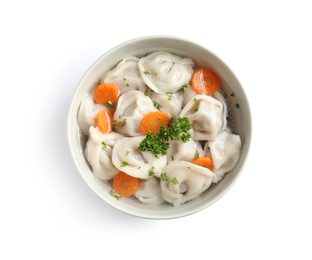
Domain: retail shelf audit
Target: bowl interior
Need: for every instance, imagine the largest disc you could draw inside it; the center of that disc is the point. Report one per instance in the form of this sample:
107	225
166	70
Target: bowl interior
202	58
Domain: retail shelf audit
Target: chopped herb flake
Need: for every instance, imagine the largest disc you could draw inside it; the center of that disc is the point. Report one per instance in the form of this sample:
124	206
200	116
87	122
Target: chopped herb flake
110	106
104	144
169	95
174	181
237	105
151	172
147	72
124	164
119	124
112	193
184	87
232	94
156	105
164	176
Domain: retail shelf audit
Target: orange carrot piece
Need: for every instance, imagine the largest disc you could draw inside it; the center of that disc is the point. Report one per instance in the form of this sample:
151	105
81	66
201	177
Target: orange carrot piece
106	94
204	162
205	81
125	185
152	121
104	121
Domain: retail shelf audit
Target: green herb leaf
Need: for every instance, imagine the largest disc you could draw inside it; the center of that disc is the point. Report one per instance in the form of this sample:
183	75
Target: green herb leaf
196	155
151	172
169	95
147	72
118	123
154	144
124	164
158	143
112	193
174	181
184	87
104	144
110	106
164	176
156	105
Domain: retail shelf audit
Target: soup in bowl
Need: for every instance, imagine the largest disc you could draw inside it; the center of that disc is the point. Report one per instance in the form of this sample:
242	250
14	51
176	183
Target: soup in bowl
159	127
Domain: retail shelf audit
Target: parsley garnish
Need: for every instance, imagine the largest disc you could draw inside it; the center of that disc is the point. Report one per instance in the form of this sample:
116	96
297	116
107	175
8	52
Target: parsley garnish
104	144
112	193
110	106
119	124
124	164
156	105
232	94
151	171
158	143
185	86
174	181
170	96
164	176
237	105
147	72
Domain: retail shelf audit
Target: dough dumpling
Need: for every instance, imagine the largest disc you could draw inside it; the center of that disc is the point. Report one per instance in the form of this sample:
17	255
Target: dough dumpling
149	191
128	158
162	71
170	103
225	153
185	181
131	108
206	116
87	113
125	75
188	151
98	152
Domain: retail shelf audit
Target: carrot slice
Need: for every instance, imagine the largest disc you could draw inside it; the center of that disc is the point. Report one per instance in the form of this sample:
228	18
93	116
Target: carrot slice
125	185
204	162
205	81
106	94
152	121
104	121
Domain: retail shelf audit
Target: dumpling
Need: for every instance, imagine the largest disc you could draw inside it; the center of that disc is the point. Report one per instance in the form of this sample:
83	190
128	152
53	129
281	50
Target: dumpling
131	108
128	158
225	153
149	191
170	103
125	75
206	116
98	152
87	113
163	71
180	151
189	94
184	181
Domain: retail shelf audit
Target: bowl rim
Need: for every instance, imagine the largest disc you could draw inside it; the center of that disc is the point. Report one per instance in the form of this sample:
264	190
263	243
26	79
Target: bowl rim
73	148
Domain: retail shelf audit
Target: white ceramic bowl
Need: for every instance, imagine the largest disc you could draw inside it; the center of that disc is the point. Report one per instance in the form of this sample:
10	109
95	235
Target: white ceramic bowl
203	58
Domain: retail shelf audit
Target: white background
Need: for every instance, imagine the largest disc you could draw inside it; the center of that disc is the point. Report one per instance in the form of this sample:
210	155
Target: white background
48	212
